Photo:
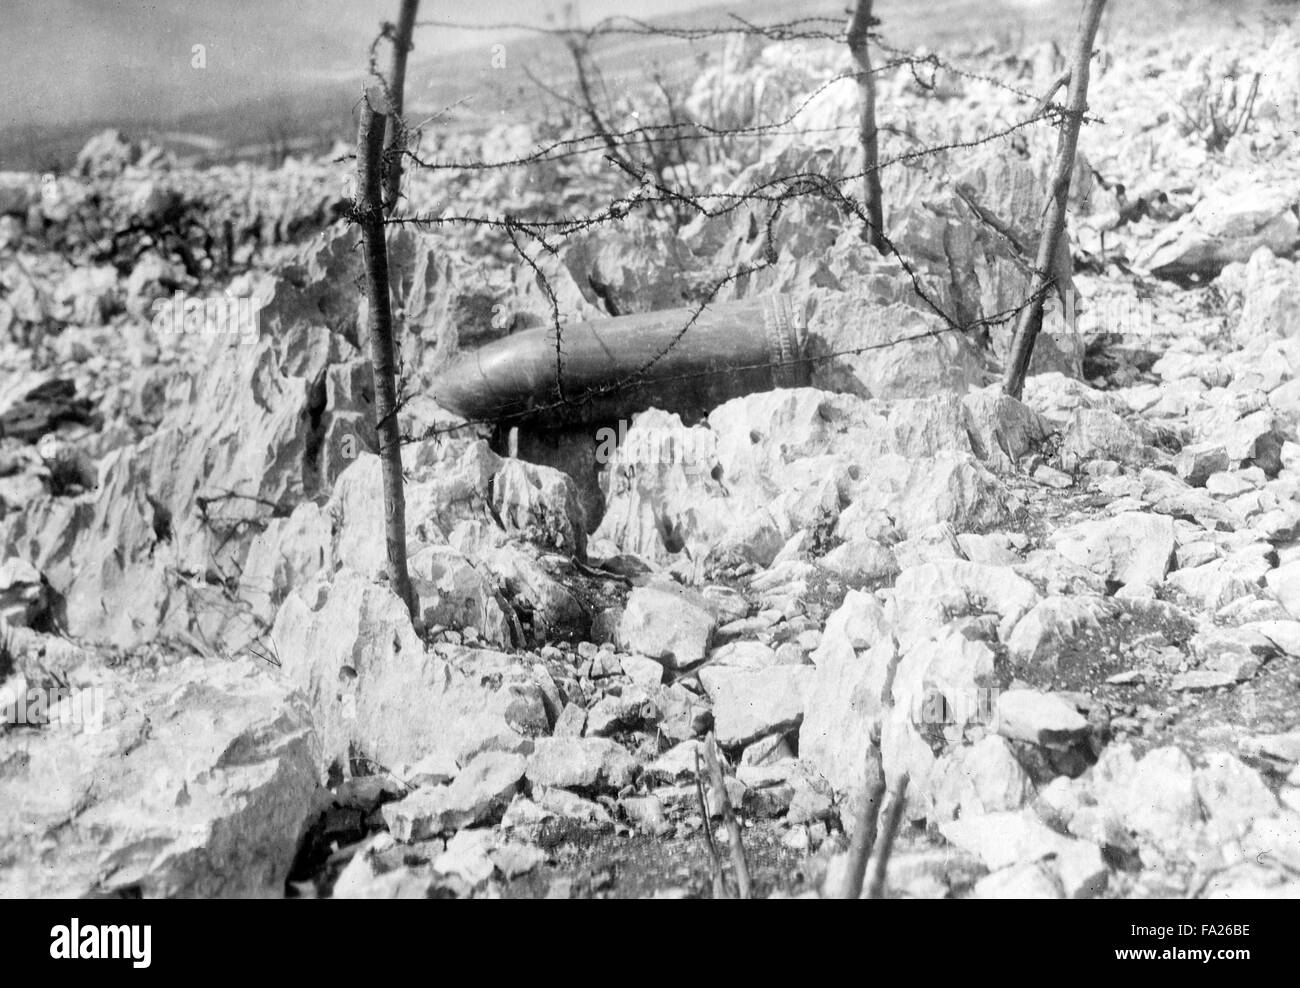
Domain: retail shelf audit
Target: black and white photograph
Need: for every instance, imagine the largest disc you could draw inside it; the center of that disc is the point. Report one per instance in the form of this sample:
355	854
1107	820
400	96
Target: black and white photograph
668	449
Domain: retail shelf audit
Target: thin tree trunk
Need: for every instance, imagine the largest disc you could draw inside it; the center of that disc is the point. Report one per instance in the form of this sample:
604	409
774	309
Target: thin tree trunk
397	99
369	214
1045	268
871	196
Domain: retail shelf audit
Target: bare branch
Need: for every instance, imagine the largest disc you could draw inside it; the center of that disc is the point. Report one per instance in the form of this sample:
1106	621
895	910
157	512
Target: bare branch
1058	83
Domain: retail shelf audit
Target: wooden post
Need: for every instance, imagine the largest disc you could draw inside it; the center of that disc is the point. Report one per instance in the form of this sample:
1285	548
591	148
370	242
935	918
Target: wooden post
396	96
864	836
873	795
369	215
737	842
858	27
1045	274
892	813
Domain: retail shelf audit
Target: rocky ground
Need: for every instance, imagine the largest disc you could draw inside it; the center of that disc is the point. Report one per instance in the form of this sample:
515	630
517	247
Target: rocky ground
1073	621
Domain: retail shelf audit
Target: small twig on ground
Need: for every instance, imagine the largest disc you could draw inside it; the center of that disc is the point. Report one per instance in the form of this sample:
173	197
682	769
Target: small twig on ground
715	859
270	656
1247	111
738	862
379	768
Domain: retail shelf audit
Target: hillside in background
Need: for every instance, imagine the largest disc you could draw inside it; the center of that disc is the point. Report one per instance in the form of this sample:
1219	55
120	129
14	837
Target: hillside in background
277	70
283	76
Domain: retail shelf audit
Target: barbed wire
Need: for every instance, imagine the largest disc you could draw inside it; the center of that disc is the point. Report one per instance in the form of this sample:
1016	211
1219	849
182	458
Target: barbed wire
792	30
622	151
567	147
801	186
618	209
563	148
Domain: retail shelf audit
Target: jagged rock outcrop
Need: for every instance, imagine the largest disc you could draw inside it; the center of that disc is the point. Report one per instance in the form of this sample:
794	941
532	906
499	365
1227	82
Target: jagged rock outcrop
378	692
197	781
768	465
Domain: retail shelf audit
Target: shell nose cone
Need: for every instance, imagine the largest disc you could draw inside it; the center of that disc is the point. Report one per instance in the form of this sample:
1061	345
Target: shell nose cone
678	360
497	380
465	386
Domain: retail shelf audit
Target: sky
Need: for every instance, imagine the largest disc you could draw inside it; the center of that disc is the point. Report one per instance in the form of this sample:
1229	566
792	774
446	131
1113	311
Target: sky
68	61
